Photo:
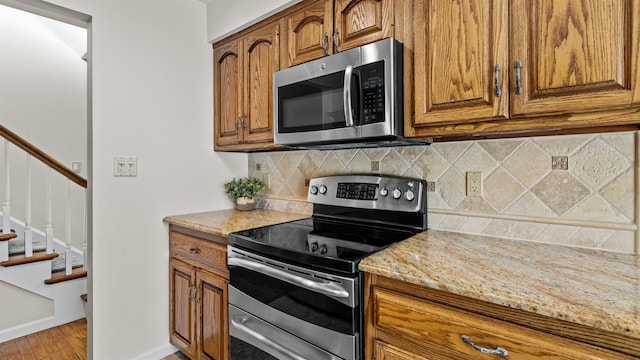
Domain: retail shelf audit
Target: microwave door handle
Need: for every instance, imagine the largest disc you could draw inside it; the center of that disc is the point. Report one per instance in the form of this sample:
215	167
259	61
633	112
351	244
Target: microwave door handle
346	94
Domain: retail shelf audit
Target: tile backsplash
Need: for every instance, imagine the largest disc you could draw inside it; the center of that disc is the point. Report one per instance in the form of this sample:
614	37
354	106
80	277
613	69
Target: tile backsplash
590	204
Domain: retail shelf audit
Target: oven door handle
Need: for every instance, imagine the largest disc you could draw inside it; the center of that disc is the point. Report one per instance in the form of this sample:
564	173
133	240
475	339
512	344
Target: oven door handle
322	287
290	355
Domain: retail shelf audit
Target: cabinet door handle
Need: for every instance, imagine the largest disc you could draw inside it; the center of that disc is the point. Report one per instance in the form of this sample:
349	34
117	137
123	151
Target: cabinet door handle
497	81
325	39
195	294
189	292
237	123
518	78
195	251
498	351
244	125
335	40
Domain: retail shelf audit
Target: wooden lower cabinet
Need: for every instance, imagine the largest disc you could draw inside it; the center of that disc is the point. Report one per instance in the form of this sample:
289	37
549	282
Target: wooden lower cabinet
407	325
198	298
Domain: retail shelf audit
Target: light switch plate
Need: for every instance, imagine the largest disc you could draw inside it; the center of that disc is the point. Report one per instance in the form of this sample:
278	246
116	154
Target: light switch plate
125	166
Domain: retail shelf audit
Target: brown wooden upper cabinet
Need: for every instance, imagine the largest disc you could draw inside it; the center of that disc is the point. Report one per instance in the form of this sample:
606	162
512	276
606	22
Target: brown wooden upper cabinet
326	27
243	89
487	61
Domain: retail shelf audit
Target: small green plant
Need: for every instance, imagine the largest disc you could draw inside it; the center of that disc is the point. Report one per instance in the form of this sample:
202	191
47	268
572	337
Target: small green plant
245	187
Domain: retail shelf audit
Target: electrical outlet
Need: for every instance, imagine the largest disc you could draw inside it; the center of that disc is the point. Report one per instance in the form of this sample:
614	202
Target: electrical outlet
125	166
431	186
474	183
375	166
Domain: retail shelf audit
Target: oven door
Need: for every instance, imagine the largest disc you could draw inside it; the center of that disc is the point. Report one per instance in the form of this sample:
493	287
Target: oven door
315	308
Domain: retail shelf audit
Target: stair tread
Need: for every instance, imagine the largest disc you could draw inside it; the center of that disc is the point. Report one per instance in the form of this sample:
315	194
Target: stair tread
22	259
61	276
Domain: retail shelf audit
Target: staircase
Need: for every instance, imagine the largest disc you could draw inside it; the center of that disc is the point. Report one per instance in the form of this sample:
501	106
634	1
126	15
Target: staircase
34	260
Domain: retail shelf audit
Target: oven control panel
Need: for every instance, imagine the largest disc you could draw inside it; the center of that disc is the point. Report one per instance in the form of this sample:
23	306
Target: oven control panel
369	192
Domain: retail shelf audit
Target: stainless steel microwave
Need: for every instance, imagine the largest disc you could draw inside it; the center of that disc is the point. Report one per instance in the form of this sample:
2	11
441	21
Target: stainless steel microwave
353	98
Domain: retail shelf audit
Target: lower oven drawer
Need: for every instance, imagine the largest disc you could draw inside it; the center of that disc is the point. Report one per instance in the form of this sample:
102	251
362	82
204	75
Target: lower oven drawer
253	338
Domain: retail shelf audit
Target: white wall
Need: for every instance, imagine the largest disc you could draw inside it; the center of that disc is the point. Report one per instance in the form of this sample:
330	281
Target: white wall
14	300
225	17
152	99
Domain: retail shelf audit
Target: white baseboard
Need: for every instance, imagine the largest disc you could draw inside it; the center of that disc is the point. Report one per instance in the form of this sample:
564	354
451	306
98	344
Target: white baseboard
26	329
157	353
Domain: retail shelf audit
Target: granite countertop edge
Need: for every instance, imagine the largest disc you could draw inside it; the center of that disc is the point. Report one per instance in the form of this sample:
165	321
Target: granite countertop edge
224	222
599	289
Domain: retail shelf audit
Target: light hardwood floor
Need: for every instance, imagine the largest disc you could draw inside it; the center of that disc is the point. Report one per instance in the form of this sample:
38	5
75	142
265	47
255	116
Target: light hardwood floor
65	342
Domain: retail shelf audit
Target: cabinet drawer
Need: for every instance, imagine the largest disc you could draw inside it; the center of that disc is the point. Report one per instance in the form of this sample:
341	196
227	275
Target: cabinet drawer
204	253
438	329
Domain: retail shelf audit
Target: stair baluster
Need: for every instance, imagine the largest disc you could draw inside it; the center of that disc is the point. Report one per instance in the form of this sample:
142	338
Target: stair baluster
6	205
28	233
67	251
49	226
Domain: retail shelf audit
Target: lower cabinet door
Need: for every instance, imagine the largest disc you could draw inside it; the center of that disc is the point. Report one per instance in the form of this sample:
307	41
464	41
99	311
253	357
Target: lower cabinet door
213	325
183	310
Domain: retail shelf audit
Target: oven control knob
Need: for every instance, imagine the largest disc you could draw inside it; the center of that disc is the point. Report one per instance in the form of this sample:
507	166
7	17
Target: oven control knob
323	249
313	189
384	192
409	195
314	246
396	193
323	189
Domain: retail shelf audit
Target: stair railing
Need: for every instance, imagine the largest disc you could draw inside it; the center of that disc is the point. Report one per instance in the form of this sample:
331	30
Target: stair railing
52	165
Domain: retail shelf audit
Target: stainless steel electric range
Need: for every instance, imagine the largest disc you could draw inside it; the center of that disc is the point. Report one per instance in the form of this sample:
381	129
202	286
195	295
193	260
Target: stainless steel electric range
295	291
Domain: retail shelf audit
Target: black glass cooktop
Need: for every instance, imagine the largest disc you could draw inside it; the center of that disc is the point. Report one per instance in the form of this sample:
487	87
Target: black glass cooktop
328	244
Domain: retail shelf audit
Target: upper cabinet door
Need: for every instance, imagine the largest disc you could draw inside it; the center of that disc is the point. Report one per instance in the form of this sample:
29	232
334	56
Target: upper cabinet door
228	93
461	62
261	60
574	55
359	22
307	33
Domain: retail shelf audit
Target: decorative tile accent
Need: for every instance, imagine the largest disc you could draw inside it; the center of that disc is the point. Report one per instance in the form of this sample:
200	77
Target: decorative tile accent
560	163
518	181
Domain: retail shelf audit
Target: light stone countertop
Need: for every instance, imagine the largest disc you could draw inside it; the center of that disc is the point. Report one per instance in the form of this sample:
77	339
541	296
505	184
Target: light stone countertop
223	222
599	289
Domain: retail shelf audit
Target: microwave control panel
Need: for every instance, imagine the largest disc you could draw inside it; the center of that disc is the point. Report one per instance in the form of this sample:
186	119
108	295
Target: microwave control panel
372	76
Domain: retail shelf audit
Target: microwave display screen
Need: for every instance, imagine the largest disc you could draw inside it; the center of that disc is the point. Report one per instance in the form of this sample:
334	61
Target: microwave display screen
357	191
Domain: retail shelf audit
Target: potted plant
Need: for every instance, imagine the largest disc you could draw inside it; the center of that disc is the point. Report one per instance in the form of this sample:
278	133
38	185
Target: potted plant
244	191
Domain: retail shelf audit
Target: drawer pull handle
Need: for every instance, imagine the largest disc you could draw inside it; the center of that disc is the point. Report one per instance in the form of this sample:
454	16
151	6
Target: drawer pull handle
498	351
195	251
